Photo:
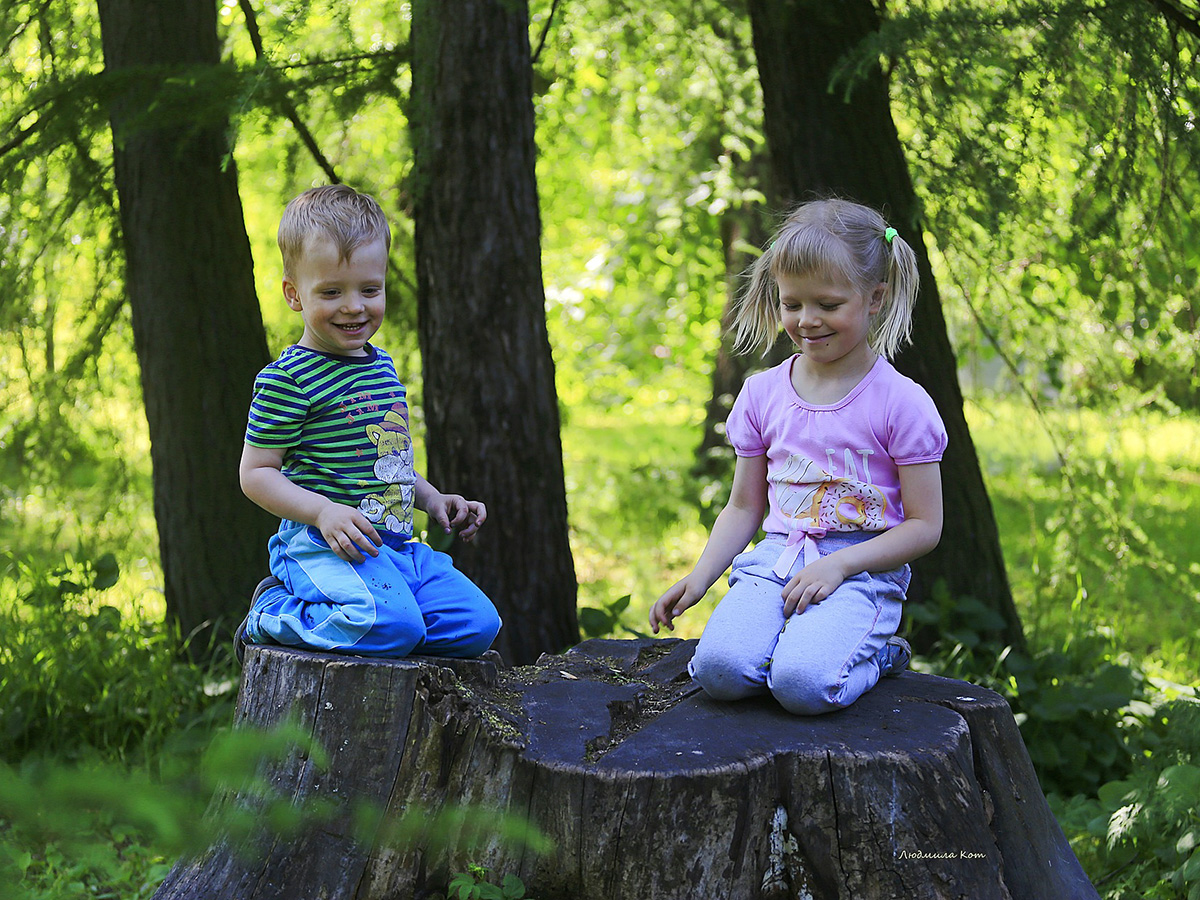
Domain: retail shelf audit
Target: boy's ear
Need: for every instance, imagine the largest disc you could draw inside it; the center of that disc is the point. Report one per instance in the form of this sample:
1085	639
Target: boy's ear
290	294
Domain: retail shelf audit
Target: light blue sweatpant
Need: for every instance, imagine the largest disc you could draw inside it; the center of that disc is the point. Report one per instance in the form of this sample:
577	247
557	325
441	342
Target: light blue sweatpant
408	599
816	661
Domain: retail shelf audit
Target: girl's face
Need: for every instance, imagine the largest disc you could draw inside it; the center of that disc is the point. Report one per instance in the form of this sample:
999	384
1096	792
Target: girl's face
828	321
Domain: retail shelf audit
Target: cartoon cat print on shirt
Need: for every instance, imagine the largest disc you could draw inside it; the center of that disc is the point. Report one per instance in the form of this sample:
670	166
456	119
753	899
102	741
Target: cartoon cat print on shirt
811	496
393	509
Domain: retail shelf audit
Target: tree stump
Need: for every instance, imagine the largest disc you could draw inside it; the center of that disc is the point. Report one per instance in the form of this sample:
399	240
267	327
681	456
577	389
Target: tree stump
648	789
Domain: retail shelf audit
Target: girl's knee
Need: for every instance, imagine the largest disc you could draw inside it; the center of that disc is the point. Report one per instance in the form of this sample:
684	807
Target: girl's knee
806	703
725	675
805	692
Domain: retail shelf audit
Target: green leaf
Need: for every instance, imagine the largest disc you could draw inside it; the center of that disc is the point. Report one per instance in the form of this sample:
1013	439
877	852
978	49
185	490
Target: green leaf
1190	871
514	887
106	572
463	886
594	622
1115	794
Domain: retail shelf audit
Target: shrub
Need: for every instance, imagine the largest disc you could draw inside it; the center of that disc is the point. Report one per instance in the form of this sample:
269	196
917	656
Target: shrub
1140	836
77	673
1081	704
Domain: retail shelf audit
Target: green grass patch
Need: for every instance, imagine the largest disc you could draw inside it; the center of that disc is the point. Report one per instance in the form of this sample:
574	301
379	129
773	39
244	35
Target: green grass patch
1103	535
80	675
635	528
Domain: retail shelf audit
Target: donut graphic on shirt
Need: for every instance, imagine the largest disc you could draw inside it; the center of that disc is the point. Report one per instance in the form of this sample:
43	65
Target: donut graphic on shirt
816	498
852	503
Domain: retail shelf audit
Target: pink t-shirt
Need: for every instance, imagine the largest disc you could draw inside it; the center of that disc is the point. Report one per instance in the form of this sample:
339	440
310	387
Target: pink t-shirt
835	468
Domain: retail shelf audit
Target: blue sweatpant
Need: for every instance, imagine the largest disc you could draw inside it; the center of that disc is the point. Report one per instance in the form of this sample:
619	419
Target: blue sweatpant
408	599
814	662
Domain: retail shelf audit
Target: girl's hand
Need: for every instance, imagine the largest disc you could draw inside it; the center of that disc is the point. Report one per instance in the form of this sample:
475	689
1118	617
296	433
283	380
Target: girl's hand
455	512
680	596
348	532
812	584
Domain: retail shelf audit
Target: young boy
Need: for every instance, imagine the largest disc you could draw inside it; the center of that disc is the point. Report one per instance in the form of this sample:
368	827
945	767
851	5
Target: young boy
328	451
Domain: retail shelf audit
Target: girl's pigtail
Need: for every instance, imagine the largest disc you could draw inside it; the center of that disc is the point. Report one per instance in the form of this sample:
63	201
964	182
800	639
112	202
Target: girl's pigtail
756	321
894	327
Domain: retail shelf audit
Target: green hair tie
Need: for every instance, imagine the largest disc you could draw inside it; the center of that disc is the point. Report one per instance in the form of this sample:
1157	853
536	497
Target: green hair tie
888	234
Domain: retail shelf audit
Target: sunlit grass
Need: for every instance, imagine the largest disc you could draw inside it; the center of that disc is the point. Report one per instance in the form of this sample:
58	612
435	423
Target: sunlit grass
1121	512
1008	432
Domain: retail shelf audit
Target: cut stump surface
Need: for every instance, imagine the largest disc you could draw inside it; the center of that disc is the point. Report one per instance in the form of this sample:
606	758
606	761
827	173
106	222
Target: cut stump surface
648	789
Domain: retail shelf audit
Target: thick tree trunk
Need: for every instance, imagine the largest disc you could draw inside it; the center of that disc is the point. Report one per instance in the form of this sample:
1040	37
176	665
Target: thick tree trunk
491	407
844	142
922	789
197	326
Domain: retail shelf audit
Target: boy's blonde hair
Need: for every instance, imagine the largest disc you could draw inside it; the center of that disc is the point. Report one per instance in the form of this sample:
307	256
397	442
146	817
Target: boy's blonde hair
348	218
843	242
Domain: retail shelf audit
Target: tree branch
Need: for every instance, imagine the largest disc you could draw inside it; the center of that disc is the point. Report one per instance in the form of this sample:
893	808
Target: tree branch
22	136
285	102
545	31
1177	16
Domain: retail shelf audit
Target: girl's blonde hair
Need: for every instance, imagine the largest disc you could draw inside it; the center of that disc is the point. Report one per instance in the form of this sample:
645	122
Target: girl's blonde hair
843	242
340	213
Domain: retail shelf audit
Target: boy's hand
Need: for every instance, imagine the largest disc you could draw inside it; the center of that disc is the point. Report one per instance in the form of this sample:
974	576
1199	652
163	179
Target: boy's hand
454	512
812	584
348	532
680	596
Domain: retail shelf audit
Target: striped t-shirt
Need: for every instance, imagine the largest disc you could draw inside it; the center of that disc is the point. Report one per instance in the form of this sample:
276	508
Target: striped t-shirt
342	422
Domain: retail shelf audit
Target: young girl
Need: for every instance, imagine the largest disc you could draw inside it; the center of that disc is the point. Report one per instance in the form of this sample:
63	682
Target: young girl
841	452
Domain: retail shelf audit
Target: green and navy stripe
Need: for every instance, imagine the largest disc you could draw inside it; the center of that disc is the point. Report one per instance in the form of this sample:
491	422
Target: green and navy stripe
316	408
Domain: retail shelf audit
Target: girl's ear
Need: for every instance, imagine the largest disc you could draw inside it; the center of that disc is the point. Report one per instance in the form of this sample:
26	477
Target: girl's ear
877	297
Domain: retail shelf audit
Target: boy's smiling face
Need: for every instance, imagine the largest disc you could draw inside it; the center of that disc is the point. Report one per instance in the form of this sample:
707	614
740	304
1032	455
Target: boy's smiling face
341	301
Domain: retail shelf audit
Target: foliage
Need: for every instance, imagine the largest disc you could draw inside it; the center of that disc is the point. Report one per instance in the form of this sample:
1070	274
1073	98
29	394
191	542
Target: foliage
633	518
603	621
1095	576
1056	155
80	674
101	829
472	885
1094	510
662	100
98	829
1141	835
1080	704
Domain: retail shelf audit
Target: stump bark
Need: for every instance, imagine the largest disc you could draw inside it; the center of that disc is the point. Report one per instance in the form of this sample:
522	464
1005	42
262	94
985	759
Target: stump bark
648	789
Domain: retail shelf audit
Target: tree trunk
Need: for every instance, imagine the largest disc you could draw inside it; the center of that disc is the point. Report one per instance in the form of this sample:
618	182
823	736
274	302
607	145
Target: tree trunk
920	790
197	326
826	141
491	407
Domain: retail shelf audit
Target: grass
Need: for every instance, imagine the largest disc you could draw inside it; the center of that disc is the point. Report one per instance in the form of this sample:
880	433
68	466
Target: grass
634	522
1105	538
